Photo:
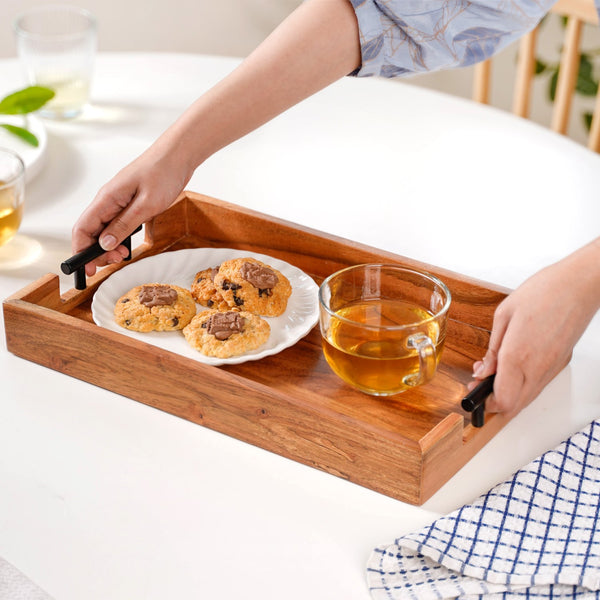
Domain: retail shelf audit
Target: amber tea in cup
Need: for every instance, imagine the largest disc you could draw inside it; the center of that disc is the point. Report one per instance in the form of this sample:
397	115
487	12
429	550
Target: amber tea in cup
383	326
12	193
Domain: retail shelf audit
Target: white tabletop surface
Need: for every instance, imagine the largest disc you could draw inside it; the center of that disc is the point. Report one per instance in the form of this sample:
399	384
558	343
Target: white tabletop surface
102	497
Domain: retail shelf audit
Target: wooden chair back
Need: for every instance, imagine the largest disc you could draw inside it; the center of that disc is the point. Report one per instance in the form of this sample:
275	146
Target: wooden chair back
577	12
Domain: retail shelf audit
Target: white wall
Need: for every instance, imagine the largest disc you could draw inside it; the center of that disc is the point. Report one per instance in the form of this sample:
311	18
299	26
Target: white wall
228	27
235	27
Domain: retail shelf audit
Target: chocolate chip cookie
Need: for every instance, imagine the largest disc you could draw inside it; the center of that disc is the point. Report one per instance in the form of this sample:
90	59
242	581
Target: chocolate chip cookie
205	292
155	307
224	334
253	286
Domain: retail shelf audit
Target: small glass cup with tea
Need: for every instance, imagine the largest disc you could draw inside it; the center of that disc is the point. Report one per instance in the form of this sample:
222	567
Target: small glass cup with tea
383	326
12	193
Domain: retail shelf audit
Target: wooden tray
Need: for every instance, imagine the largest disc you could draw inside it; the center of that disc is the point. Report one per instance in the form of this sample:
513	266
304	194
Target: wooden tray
291	403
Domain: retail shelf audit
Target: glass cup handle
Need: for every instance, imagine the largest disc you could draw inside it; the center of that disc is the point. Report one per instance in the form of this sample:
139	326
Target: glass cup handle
427	358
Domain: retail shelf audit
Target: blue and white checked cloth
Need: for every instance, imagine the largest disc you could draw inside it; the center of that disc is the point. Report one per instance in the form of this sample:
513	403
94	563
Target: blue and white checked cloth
534	536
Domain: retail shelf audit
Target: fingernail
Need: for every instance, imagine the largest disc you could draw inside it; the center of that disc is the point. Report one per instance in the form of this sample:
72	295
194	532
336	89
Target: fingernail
479	369
108	242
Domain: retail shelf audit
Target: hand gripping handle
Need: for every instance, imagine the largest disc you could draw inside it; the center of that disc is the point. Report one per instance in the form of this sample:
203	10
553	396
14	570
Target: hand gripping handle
76	263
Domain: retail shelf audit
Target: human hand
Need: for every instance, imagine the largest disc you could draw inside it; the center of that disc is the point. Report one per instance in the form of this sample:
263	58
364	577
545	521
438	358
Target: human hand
143	189
536	327
281	72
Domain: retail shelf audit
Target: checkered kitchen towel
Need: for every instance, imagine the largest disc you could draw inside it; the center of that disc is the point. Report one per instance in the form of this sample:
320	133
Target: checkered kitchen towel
536	535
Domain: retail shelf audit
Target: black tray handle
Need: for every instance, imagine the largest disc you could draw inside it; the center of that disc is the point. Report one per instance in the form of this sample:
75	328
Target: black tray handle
474	401
76	263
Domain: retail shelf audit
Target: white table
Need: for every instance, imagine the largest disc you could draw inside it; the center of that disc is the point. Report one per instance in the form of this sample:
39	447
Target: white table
102	497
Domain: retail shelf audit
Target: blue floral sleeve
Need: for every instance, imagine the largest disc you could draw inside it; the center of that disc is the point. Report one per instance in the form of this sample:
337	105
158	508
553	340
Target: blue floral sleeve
406	37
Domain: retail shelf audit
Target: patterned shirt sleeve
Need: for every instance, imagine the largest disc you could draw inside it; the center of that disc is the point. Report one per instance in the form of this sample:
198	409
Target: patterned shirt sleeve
406	37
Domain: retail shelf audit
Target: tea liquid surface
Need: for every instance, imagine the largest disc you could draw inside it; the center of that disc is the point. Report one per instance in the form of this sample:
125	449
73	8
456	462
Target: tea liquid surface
10	214
373	359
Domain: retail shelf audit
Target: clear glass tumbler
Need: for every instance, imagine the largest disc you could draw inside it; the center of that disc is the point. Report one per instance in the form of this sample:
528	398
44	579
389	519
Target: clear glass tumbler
57	45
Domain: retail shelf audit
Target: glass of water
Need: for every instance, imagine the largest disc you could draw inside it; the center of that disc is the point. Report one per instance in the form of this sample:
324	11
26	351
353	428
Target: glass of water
57	45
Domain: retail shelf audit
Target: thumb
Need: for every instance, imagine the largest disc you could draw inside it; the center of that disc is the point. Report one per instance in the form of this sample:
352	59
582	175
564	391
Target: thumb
117	230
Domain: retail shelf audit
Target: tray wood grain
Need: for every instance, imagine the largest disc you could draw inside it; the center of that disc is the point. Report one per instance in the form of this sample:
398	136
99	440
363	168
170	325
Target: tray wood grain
290	403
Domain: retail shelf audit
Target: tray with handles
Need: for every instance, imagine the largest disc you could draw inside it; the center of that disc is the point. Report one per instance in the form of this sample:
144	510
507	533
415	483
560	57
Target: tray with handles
290	402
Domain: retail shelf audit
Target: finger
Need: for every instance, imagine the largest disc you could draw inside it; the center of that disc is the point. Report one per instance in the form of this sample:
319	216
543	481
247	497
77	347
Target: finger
109	203
117	255
137	212
81	239
488	365
520	380
83	235
472	385
499	327
509	387
534	385
93	220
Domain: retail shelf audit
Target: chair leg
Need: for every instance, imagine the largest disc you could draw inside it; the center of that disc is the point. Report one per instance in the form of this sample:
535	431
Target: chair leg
525	74
567	76
481	84
594	139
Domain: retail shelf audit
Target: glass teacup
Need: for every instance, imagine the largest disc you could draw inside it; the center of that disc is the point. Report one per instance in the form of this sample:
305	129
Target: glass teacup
12	194
383	326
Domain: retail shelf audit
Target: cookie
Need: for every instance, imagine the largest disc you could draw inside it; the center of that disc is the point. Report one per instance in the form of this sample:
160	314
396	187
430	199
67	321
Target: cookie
253	286
204	290
155	307
226	334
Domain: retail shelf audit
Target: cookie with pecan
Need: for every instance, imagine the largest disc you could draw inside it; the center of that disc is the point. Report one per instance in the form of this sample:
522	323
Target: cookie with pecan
251	285
155	307
205	292
224	334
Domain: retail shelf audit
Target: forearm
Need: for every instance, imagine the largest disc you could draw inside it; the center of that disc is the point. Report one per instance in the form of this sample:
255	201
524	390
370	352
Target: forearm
583	266
313	47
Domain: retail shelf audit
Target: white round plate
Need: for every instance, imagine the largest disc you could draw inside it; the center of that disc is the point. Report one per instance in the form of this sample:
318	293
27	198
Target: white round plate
33	156
178	268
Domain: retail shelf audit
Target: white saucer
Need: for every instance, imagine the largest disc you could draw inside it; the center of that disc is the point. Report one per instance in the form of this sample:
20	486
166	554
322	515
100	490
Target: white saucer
32	156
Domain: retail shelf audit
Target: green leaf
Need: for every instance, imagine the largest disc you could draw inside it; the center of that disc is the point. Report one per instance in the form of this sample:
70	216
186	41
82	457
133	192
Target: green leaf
540	66
586	66
26	100
25	135
586	85
587	120
552	86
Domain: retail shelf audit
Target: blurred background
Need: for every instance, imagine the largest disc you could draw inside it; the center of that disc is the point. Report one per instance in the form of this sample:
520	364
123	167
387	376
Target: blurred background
235	27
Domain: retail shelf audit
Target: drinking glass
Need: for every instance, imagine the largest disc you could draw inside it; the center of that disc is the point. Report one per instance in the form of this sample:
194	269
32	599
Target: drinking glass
383	327
56	45
12	193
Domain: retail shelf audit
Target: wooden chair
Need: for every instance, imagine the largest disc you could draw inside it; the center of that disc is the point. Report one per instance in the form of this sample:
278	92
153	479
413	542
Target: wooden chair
578	12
